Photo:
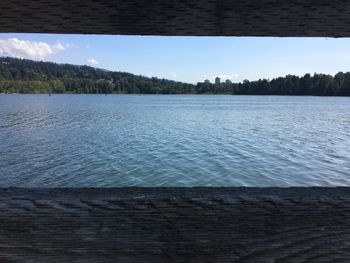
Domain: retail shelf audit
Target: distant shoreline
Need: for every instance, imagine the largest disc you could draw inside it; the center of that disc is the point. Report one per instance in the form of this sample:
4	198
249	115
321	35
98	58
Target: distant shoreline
185	94
33	77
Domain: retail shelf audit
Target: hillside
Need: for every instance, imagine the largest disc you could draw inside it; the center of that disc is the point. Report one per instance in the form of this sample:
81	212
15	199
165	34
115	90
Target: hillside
27	76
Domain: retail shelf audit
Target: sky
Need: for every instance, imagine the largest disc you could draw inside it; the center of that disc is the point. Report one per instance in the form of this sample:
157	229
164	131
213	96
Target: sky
187	59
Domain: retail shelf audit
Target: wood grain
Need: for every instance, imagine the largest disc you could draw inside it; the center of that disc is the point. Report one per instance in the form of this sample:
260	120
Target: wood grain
175	225
326	18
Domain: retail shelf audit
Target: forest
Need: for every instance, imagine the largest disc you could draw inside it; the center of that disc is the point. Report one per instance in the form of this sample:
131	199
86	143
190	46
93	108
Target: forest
27	76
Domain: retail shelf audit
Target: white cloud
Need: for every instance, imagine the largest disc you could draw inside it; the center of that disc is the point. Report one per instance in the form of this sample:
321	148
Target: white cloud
92	62
36	50
150	74
173	75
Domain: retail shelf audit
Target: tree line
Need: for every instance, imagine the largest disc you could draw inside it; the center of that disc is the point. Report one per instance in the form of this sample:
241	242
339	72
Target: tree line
310	85
27	76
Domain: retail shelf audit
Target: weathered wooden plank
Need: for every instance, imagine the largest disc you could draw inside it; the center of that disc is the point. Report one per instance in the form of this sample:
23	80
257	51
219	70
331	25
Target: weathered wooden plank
175	225
179	17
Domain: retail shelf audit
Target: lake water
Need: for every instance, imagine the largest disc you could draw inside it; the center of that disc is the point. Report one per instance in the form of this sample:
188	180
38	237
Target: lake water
131	140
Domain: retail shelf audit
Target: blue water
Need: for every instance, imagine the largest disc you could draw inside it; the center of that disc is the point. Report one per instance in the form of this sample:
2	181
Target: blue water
131	140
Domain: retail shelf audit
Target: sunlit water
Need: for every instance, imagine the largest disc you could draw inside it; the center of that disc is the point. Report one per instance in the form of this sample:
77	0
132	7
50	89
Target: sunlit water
131	140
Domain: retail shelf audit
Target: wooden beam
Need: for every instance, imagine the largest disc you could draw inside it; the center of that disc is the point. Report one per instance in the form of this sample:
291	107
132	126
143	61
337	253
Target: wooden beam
175	225
316	18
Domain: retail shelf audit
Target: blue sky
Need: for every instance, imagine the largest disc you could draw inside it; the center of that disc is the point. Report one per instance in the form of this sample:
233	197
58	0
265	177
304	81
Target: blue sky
188	59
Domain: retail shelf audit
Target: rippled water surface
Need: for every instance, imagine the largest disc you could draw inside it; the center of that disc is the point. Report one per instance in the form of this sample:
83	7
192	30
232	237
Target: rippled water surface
131	140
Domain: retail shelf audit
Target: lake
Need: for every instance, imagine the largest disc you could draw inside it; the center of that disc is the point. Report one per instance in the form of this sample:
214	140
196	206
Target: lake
161	140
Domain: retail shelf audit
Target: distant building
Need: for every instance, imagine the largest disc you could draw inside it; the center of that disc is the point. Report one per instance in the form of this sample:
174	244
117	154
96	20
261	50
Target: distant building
228	81
207	81
217	80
